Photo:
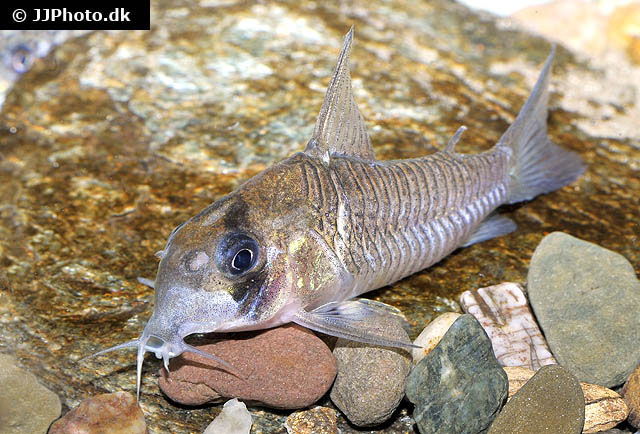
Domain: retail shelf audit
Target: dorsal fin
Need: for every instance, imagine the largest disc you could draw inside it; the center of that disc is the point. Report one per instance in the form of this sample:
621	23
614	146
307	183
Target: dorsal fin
340	128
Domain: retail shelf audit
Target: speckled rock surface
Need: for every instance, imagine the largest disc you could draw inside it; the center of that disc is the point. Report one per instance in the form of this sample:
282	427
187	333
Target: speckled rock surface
551	401
26	406
130	133
318	420
581	294
371	379
285	367
603	408
109	413
459	387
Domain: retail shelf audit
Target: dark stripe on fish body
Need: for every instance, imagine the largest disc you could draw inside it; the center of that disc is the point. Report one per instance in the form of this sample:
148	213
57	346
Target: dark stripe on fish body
370	230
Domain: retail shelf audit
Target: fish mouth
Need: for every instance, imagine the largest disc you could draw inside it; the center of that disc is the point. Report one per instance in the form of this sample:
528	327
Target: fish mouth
163	348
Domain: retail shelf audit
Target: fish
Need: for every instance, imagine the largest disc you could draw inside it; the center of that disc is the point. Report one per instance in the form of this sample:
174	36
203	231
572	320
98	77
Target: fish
300	241
20	49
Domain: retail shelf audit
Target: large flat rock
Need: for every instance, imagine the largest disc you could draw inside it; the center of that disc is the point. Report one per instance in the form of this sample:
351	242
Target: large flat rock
131	133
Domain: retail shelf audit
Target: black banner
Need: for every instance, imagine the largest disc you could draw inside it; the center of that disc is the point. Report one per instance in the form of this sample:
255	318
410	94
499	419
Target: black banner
67	15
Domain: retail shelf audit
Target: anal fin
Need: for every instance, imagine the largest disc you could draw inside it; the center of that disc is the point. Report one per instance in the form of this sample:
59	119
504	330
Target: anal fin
358	320
493	226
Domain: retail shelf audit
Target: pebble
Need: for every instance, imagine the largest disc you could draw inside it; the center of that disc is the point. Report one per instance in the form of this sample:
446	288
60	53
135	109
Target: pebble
233	419
504	314
459	387
631	394
318	420
371	378
582	295
551	401
109	413
431	335
26	406
604	408
286	367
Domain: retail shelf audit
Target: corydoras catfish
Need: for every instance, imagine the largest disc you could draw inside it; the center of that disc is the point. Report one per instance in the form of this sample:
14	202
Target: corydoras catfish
299	241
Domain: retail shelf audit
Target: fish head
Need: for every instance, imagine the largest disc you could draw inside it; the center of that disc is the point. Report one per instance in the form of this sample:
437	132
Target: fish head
216	274
249	261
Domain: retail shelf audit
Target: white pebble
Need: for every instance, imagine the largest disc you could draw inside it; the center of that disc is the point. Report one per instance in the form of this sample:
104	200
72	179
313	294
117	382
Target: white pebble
431	335
234	419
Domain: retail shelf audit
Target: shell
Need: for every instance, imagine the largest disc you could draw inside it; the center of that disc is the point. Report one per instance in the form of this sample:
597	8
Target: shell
504	314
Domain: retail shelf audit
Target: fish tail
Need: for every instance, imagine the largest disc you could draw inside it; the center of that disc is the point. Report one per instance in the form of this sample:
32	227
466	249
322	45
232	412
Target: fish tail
538	166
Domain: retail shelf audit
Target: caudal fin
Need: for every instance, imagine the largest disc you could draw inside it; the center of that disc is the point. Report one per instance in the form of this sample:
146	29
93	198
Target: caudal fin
539	166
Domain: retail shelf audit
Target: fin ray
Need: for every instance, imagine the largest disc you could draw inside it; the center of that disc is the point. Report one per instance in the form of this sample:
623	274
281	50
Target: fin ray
453	141
340	128
539	166
354	320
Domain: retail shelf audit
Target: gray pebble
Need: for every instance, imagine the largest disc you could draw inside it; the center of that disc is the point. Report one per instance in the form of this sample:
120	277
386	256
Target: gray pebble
371	379
582	295
459	387
26	406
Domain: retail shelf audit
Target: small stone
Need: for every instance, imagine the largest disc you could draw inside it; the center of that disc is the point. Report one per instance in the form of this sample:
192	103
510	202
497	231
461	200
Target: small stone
582	295
631	394
604	408
504	314
371	379
459	387
26	406
318	420
233	419
285	367
431	335
551	401
109	413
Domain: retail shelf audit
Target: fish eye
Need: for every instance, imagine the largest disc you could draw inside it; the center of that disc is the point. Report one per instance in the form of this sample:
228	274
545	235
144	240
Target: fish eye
237	253
21	59
243	260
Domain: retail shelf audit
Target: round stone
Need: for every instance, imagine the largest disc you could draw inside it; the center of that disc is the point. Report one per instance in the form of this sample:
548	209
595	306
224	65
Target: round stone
371	378
285	367
109	413
582	294
26	406
551	401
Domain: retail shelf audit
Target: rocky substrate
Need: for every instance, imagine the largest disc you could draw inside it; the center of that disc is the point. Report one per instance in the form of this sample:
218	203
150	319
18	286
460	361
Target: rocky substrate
489	370
116	138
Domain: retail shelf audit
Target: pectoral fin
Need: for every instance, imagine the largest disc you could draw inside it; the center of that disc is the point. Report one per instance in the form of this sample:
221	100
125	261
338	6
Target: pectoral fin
358	320
340	128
